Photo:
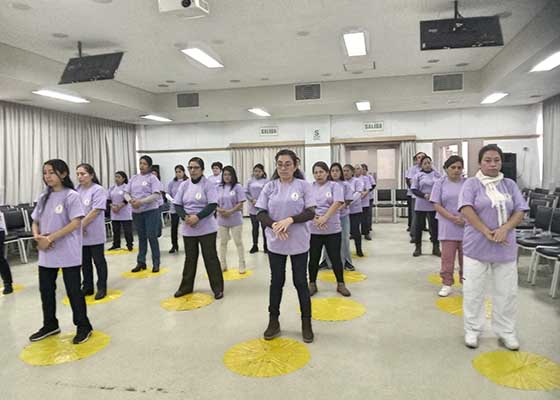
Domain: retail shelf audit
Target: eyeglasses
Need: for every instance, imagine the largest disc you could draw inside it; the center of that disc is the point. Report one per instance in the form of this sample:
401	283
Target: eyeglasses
284	165
193	167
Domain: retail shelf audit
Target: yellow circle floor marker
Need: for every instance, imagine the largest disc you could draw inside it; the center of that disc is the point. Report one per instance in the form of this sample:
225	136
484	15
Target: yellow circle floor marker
234	275
120	251
111	295
349	276
354	255
336	309
146	273
519	370
16	287
261	358
59	349
454	305
190	301
436	280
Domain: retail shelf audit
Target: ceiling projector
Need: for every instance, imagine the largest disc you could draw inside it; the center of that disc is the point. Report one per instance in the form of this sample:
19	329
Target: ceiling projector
184	8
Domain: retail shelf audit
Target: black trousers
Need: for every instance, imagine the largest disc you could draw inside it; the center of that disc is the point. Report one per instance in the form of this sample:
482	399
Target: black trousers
174	229
47	287
127	228
278	278
410	211
255	223
366	221
420	222
211	262
370	216
5	272
355	221
332	244
96	254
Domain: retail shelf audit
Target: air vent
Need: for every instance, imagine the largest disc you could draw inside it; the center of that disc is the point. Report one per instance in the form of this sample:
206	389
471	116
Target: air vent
447	83
269	131
186	100
373	126
308	92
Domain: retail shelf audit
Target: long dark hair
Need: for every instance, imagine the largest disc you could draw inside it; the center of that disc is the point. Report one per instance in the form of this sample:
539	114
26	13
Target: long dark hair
231	170
261	167
452	160
123	175
351	168
336	165
181	167
60	167
295	160
90	170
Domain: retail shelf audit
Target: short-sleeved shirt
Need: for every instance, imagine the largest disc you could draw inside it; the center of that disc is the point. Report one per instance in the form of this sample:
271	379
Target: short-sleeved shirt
215	179
144	185
410	174
424	181
94	198
283	200
253	190
372	183
116	195
446	193
348	196
326	195
228	198
357	187
60	208
172	189
367	186
475	244
194	197
2	222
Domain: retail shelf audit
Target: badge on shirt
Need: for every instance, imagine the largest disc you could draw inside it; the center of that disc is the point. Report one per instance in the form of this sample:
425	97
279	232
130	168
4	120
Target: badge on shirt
145	183
121	192
232	193
198	196
86	202
295	196
58	209
328	194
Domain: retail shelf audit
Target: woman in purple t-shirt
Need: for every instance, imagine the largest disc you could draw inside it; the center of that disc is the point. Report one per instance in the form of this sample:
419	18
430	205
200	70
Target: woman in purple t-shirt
231	197
492	206
445	197
284	206
94	201
121	212
172	189
57	229
355	207
254	188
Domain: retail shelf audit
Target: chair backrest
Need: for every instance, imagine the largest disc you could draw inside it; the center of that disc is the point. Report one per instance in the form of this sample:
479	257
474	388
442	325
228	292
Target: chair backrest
401	195
542	220
553	200
535	204
555	226
14	219
536	196
384	195
542	190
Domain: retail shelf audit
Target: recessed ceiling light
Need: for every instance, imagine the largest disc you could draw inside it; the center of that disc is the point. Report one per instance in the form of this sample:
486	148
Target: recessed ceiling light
548	63
327	74
265	79
259	111
156	118
60	96
493	98
355	44
433	61
20	6
426	67
200	56
302	33
60	35
234	80
218	41
461	64
163	85
170	81
363	105
357	72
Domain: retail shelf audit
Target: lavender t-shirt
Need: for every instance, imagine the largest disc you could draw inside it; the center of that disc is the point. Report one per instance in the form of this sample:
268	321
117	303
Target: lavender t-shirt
326	195
116	195
357	187
372	183
283	200
61	208
475	244
144	185
446	193
253	190
227	199
367	186
424	181
410	174
348	196
194	197
215	179
94	198
172	189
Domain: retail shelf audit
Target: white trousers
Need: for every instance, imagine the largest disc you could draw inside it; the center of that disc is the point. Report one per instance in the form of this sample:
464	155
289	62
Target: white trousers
503	292
224	233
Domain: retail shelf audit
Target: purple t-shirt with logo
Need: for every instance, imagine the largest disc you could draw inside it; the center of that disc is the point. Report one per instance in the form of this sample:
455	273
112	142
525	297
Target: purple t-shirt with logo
367	186
61	208
410	174
348	196
228	198
326	195
94	198
172	189
283	200
475	244
194	197
424	181
372	183
253	190
446	193
116	195
143	185
357	187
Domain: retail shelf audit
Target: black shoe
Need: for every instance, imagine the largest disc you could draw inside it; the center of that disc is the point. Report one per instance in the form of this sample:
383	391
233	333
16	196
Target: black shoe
114	248
82	335
8	288
219	295
265	250
87	291
436	251
273	329
412	241
130	248
367	237
349	267
307	330
44	333
181	293
173	250
155	270
359	253
254	249
417	251
138	268
408	229
101	293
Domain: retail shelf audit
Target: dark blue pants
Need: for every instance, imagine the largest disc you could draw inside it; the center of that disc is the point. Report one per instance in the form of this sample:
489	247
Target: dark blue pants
148	226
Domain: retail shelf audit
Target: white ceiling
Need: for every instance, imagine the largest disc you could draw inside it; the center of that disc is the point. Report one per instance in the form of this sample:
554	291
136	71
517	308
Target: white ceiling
259	39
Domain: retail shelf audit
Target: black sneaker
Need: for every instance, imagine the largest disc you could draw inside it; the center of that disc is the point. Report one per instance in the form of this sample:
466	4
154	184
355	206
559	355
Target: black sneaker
101	293
349	267
254	249
82	335
219	295
8	288
44	333
87	291
359	253
155	270
367	237
138	268
181	293
114	248
130	248
173	250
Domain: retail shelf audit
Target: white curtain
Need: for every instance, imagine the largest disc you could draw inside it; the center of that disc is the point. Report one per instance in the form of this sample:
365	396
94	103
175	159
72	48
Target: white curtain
408	149
338	153
29	136
551	143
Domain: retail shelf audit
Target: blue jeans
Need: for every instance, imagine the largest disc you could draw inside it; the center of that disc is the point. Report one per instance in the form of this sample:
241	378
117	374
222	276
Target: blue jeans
345	255
148	225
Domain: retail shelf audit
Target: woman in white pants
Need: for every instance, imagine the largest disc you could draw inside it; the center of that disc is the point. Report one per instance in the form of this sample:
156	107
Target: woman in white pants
492	206
231	197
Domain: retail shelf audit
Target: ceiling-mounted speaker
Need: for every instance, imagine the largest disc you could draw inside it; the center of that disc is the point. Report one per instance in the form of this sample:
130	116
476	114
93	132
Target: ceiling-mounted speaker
187	100
308	92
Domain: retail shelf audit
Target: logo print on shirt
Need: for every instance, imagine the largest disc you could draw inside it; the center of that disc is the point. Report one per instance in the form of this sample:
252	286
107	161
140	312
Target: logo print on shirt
198	196
121	192
145	183
86	202
328	194
295	196
58	209
232	193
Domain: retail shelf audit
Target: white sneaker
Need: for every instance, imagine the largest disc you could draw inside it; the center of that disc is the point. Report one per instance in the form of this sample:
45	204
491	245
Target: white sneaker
471	340
444	291
510	342
242	270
